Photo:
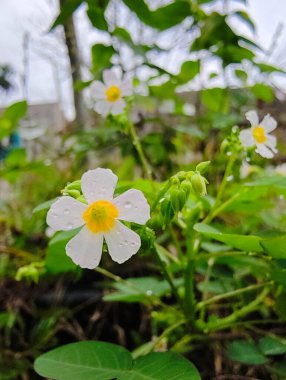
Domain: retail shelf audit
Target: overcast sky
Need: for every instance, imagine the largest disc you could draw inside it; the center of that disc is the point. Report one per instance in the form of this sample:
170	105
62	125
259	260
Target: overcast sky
34	16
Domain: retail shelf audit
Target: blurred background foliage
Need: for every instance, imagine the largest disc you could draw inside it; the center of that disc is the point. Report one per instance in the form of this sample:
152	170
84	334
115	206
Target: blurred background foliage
181	118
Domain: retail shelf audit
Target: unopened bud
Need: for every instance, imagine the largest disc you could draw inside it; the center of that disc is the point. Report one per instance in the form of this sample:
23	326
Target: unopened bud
202	166
186	187
199	184
178	199
75	185
167	210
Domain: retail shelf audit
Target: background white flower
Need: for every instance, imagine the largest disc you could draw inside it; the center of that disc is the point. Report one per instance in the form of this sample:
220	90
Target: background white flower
109	94
258	135
100	219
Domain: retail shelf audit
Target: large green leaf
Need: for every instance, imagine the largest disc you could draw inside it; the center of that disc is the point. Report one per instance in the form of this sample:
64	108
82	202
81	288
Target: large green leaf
245	352
263	92
271	346
95	12
106	361
189	70
161	18
275	246
248	243
84	361
11	116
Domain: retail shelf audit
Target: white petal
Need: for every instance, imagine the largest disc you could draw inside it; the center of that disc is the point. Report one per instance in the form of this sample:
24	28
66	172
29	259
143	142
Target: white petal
66	214
85	249
118	107
126	87
98	184
268	123
133	207
252	117
98	90
264	151
122	243
246	138
271	142
110	78
102	107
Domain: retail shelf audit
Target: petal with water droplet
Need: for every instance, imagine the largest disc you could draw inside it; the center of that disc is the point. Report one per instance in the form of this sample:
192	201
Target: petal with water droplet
66	214
122	242
133	207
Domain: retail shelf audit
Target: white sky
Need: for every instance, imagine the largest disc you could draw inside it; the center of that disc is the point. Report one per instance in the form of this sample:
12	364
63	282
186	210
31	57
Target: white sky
34	16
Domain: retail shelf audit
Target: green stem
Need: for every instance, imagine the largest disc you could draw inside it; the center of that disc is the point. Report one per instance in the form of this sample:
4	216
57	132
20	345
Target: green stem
233	293
168	276
139	149
223	323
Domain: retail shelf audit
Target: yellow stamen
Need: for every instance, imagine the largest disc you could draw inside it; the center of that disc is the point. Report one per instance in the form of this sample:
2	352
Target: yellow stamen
100	216
259	134
113	93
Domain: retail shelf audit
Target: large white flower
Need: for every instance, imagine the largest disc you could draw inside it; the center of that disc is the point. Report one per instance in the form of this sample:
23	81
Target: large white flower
100	219
109	94
258	134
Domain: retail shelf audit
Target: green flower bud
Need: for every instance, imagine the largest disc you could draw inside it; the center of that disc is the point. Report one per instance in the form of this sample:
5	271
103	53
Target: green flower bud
202	166
186	187
28	272
167	210
155	222
178	199
75	185
199	184
81	199
73	193
147	237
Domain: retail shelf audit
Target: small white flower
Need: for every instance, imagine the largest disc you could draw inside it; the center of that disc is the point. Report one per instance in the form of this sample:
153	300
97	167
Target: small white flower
100	219
110	93
258	135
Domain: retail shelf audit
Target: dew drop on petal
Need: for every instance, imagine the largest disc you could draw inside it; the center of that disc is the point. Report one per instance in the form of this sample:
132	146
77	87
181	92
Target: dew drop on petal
66	211
127	205
69	226
133	243
120	245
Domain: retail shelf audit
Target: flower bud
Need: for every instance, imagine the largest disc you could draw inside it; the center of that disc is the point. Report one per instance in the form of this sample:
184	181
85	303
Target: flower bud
75	185
199	184
167	210
202	166
178	199
186	187
28	272
147	237
73	193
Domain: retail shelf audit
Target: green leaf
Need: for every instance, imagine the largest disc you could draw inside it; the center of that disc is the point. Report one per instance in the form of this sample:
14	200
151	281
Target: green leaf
275	246
264	68
44	206
162	18
11	116
101	58
248	243
275	181
263	92
271	346
95	12
245	352
69	7
106	361
189	70
84	361
57	260
162	365
139	289
124	36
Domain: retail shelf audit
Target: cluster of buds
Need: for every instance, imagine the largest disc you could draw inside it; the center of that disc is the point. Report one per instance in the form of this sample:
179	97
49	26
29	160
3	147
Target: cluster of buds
181	185
73	189
30	272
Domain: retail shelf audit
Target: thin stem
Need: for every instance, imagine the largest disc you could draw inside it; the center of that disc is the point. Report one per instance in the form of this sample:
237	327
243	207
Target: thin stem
168	276
233	293
139	149
223	323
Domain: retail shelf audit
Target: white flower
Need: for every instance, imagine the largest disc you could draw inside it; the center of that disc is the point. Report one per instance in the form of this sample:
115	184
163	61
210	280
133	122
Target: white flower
258	135
100	219
110	93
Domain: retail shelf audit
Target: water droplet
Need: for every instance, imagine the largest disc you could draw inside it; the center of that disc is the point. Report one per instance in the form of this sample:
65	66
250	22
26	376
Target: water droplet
247	159
229	178
229	153
149	293
120	245
126	242
133	243
127	205
66	211
69	226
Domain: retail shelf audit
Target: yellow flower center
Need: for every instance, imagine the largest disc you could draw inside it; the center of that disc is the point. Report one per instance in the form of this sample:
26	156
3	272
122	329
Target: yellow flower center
113	93
259	134
100	216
